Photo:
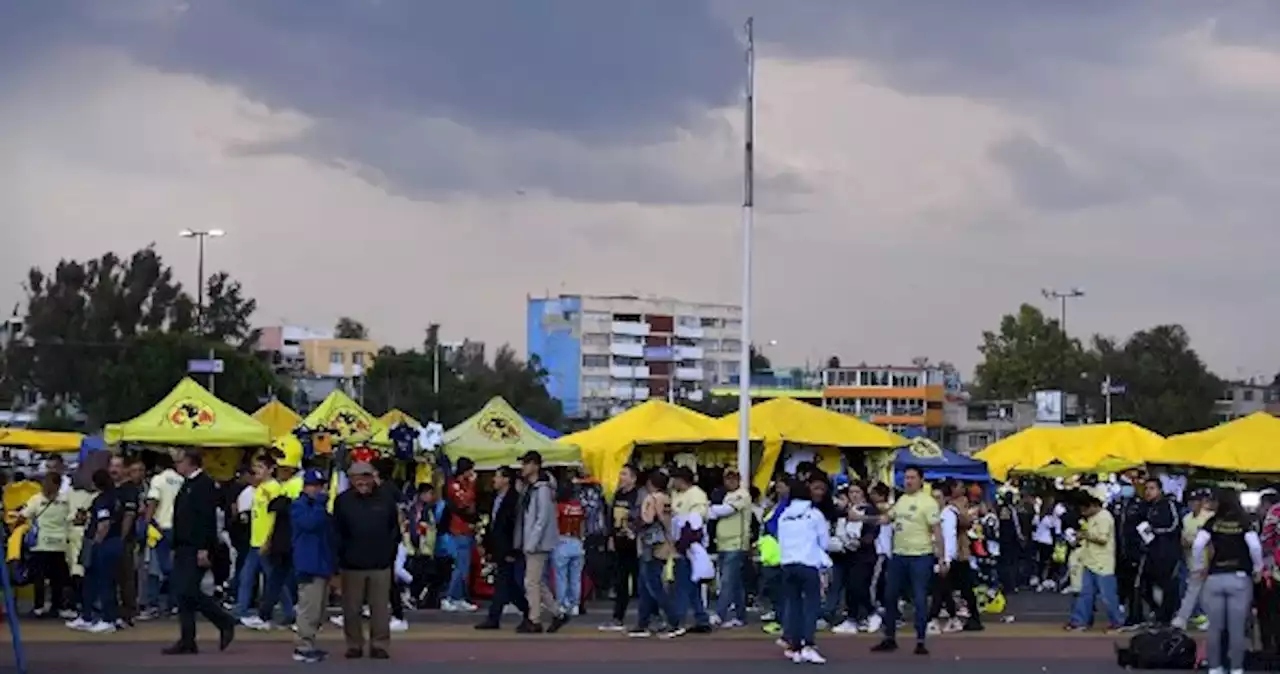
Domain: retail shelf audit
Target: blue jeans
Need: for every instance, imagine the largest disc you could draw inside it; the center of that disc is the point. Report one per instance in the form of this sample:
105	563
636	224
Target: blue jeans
802	593
732	591
279	588
248	580
1093	586
568	559
835	591
914	572
771	587
100	581
653	596
460	550
688	594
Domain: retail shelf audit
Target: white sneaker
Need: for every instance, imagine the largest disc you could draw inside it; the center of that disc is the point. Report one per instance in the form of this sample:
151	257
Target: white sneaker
101	627
715	620
846	627
732	624
874	623
1217	670
811	655
337	621
768	616
79	624
253	622
793	656
934	628
447	605
572	610
398	625
952	626
822	625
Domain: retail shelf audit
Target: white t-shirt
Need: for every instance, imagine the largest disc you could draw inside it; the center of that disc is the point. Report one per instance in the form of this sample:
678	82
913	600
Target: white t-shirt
164	491
244	501
1047	526
884	541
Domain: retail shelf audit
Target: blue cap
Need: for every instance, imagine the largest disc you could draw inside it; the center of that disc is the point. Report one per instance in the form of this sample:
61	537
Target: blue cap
313	476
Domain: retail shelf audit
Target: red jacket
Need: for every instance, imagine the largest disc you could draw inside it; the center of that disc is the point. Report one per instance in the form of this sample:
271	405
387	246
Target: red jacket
462	507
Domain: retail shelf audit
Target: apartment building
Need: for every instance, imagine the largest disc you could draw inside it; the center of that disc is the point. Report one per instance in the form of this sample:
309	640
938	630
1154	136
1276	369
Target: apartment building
316	361
972	425
1242	398
904	399
604	353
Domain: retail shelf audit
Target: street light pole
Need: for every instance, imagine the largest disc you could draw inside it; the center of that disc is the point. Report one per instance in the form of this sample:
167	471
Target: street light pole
748	218
200	235
435	381
1062	296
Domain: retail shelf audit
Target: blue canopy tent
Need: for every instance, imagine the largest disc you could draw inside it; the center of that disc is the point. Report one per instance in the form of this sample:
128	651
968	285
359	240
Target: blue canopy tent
543	429
937	463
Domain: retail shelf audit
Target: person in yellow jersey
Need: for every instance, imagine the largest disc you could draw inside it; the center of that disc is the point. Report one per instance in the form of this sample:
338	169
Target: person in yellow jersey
915	518
265	488
162	493
270	535
288	455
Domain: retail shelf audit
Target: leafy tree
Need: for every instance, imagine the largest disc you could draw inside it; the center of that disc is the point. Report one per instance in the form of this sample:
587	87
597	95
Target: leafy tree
110	335
833	362
1168	389
759	361
404	380
350	328
1028	353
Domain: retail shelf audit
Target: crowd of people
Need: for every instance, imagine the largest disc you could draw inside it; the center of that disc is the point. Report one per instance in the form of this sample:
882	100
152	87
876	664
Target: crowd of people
277	547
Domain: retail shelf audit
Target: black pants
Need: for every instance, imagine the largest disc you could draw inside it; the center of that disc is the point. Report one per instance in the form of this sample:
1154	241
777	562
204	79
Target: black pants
426	581
959	578
1007	566
1162	574
857	587
51	568
1266	600
185	585
397	602
1127	586
508	588
598	564
626	575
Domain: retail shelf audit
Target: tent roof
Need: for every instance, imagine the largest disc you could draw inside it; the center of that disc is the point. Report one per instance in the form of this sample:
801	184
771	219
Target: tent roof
801	423
191	416
924	453
396	417
40	441
1075	447
542	428
1243	445
656	422
278	417
497	435
345	418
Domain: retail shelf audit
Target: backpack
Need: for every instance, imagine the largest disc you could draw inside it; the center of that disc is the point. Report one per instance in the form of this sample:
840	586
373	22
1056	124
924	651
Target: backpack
1167	648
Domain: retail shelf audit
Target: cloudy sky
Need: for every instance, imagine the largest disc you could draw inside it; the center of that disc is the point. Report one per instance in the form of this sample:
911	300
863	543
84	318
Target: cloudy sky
924	166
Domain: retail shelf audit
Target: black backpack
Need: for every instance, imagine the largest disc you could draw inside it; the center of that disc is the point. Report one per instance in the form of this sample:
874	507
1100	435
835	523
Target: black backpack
1166	648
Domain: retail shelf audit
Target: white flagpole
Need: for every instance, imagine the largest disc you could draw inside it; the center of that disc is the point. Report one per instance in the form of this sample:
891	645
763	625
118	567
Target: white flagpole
748	217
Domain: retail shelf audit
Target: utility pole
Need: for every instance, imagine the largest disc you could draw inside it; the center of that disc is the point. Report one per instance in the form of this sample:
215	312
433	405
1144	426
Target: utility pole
1062	296
748	218
200	235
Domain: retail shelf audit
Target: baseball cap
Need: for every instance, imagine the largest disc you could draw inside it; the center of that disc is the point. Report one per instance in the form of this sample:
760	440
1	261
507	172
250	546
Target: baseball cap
682	473
313	476
361	468
531	457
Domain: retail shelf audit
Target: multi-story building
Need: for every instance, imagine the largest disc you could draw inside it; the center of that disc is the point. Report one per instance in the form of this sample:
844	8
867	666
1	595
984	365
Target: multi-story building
971	425
904	399
777	383
316	361
604	353
1242	398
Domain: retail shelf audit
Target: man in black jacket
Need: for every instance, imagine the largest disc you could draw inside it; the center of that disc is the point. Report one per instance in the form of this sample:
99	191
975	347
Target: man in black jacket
499	545
1164	551
1129	511
367	524
195	538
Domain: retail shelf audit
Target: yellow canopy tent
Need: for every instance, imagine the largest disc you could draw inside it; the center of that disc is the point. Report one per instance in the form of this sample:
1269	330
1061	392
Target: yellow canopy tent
1107	465
344	418
190	416
40	441
1082	449
278	417
606	447
497	435
1246	445
788	420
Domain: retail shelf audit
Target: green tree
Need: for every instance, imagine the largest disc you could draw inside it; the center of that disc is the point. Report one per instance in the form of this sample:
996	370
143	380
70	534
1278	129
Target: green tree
1167	387
110	335
1029	353
350	328
759	361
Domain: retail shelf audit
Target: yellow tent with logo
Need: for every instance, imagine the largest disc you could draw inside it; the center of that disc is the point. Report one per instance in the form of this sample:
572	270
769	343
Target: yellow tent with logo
389	421
278	417
40	441
190	416
497	435
786	420
1075	449
343	418
606	447
1245	445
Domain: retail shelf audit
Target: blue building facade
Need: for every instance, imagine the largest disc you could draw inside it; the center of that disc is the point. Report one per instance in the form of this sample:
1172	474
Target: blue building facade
553	336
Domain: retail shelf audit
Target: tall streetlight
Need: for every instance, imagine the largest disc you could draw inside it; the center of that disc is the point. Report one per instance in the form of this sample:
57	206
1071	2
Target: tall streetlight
200	235
748	218
1062	296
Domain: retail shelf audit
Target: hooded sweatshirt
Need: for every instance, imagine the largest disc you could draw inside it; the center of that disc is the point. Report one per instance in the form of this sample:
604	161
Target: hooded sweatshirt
803	535
536	530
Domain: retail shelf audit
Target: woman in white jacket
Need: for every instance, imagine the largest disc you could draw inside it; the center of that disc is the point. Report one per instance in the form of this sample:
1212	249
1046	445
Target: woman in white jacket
802	538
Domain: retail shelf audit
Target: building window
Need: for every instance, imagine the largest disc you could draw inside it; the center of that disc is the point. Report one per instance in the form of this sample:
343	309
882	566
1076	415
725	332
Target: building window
905	380
1248	395
710	322
357	359
732	324
730	368
977	441
335	357
595	339
731	345
595	360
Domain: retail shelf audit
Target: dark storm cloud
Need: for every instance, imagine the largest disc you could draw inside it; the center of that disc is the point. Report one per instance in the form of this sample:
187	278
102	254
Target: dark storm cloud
1043	178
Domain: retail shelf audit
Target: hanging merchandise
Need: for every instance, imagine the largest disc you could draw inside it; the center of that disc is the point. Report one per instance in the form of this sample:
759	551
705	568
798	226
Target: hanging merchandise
403	440
430	438
361	454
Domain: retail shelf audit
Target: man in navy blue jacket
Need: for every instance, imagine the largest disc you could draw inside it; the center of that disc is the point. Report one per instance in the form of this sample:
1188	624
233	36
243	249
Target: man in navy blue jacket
314	561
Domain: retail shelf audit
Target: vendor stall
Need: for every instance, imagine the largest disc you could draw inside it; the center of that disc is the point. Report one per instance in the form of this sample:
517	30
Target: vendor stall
1085	448
191	416
1245	445
279	418
937	463
497	435
40	441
